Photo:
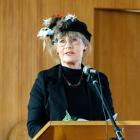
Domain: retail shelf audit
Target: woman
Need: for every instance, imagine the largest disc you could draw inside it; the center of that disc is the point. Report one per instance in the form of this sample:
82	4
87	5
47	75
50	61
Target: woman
63	91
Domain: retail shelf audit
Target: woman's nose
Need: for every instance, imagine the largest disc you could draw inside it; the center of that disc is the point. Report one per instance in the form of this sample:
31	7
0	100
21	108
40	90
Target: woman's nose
68	44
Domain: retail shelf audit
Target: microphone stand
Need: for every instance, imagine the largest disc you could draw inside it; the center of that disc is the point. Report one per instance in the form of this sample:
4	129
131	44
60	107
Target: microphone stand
105	104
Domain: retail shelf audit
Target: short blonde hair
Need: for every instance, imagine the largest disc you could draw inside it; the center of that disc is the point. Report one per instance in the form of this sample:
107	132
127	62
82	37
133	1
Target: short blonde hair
51	48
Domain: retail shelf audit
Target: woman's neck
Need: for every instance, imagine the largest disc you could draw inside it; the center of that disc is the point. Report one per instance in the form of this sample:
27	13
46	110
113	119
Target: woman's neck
72	65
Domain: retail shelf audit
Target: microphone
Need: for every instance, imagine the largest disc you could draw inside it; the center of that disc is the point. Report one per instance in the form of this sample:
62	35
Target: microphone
91	73
88	70
97	86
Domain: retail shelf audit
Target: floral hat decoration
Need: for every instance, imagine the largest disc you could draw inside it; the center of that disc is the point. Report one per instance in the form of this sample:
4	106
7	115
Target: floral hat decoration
57	23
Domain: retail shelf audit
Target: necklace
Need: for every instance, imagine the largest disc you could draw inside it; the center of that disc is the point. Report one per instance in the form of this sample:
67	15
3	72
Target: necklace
73	85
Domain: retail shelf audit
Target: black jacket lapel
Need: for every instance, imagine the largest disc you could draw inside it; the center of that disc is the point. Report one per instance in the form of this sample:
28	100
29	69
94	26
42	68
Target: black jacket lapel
57	99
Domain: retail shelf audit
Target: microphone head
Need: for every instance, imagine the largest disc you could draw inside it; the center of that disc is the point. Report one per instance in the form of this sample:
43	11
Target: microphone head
88	70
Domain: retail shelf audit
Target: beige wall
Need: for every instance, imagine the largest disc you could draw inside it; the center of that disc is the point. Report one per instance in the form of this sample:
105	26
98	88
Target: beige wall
21	54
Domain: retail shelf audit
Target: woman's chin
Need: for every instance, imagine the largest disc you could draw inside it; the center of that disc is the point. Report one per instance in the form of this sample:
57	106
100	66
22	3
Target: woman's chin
69	61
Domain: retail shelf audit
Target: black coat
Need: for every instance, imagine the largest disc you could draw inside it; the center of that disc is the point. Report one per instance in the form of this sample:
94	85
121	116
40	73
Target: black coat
48	100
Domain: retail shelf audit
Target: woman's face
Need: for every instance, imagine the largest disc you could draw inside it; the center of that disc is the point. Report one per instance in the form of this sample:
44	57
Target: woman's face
70	50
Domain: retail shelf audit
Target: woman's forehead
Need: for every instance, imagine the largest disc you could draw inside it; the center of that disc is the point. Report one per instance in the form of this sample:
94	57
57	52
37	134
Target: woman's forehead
69	35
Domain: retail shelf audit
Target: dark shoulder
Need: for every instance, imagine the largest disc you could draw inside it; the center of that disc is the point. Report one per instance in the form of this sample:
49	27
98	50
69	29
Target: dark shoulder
103	75
47	76
103	78
51	72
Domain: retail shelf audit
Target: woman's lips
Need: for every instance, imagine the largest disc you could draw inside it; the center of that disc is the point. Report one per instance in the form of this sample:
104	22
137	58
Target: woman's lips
69	53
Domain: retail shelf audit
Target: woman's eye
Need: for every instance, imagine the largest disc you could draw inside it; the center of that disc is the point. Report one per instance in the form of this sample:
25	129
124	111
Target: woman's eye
61	41
74	39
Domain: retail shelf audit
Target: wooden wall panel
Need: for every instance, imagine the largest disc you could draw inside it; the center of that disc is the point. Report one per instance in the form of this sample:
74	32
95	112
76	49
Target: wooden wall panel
29	51
21	54
9	97
117	4
117	52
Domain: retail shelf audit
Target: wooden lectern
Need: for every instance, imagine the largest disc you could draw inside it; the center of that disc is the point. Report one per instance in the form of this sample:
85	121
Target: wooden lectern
87	130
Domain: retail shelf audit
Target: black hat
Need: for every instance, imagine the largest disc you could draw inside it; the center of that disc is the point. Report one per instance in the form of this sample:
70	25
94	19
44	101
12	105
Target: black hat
76	26
65	24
